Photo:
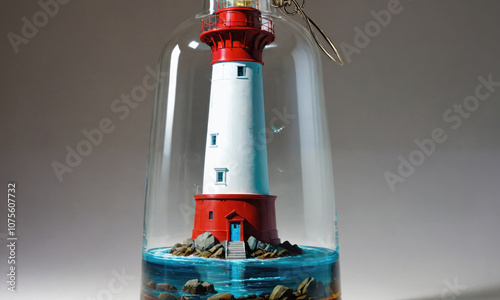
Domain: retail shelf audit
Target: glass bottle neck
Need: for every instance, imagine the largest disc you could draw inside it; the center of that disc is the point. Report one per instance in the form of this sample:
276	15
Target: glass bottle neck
211	6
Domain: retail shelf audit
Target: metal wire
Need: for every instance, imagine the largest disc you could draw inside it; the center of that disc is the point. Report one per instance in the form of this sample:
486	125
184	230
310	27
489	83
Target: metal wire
299	9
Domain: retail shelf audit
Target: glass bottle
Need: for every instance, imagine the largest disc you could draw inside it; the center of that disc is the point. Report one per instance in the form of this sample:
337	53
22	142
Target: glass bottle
239	194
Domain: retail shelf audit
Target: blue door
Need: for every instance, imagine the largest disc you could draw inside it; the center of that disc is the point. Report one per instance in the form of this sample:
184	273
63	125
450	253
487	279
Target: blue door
235	231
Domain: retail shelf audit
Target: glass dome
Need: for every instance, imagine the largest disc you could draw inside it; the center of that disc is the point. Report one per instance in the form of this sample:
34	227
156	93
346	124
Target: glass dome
239	194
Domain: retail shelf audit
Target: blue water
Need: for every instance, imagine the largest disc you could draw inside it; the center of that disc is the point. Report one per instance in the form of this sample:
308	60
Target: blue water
241	277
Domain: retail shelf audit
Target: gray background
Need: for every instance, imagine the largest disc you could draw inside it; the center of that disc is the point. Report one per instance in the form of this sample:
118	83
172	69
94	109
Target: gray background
439	227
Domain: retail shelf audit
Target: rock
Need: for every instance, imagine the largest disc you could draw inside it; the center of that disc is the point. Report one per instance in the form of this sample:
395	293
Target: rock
198	287
165	287
190	298
312	288
320	291
283	253
175	248
222	296
302	297
252	296
209	287
281	292
261	246
166	296
307	286
266	255
252	243
151	284
194	287
206	254
292	249
218	254
258	253
178	249
205	241
189	251
298	250
241	298
269	248
189	242
215	248
287	245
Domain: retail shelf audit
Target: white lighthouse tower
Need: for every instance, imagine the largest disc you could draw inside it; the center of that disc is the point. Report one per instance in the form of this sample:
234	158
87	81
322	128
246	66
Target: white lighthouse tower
236	154
235	203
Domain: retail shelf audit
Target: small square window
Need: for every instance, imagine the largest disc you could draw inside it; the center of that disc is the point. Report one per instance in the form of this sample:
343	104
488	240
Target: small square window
211	215
241	71
220	176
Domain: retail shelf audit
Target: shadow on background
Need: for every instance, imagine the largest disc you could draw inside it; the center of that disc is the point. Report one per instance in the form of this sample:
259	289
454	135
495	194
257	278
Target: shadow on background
491	293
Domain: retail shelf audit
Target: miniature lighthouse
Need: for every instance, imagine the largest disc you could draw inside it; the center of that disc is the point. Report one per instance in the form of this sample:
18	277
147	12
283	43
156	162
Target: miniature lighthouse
235	203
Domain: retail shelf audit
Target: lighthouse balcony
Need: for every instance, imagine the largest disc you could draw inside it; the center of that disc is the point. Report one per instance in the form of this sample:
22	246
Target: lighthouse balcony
217	23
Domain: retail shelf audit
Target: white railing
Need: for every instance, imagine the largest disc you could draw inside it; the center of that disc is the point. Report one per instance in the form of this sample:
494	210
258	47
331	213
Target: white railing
214	23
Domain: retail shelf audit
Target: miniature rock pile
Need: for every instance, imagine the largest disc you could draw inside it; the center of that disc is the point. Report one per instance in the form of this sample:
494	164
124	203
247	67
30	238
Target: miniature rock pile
222	296
198	287
260	250
309	289
193	287
162	287
205	245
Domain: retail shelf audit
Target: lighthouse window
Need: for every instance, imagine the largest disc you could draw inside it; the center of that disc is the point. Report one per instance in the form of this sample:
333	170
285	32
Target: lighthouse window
241	71
210	215
220	176
213	140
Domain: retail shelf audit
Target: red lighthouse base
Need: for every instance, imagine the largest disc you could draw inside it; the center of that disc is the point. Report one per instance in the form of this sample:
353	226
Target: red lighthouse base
236	217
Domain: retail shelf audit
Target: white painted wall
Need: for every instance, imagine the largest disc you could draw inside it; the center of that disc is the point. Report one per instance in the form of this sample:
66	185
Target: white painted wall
237	117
